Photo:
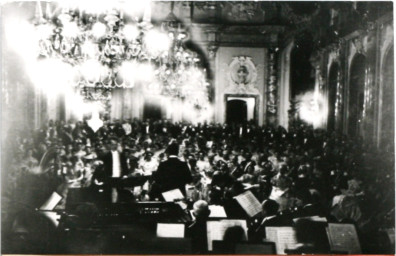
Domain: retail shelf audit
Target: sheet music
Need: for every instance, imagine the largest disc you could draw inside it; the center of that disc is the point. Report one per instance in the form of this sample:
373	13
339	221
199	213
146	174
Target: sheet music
172	195
51	202
249	203
217	211
170	230
313	218
284	238
343	238
182	205
217	229
54	217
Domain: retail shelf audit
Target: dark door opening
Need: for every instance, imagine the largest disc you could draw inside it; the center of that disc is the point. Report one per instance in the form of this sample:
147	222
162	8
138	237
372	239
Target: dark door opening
236	112
152	111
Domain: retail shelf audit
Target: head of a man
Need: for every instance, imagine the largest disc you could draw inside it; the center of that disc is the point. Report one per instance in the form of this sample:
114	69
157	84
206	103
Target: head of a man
201	210
173	149
113	145
148	155
270	207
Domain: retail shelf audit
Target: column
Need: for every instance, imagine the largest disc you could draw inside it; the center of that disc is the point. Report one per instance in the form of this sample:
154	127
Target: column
272	89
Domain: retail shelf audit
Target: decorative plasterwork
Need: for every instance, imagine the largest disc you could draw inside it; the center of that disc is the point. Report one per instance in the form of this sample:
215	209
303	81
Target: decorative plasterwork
357	45
260	29
242	76
244	11
361	44
272	89
206	5
317	63
385	45
212	49
387	42
334	56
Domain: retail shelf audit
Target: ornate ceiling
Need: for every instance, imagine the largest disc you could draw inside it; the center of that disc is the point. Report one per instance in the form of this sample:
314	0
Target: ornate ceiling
268	22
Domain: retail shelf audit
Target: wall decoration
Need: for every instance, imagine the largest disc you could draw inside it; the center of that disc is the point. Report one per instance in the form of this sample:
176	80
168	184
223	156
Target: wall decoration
272	89
242	74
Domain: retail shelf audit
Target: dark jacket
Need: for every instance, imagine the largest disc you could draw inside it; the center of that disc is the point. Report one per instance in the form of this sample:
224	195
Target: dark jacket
197	232
108	165
172	174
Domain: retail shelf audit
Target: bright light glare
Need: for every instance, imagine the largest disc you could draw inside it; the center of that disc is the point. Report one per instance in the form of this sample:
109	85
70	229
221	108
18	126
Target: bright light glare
52	76
145	73
130	32
313	108
95	6
79	107
98	29
127	71
44	31
157	42
135	7
19	34
91	70
70	29
89	49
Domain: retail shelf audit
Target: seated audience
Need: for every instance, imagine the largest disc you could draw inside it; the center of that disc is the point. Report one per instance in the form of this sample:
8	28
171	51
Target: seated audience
299	172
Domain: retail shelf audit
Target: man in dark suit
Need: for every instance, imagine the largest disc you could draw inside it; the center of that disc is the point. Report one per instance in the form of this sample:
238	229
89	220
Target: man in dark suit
114	161
197	229
271	218
171	174
114	166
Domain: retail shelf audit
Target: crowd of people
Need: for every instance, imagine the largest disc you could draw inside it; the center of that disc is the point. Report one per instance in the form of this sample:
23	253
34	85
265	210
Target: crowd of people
324	173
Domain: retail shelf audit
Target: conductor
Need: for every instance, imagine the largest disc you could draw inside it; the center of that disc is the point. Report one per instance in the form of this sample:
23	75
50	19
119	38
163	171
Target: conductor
171	174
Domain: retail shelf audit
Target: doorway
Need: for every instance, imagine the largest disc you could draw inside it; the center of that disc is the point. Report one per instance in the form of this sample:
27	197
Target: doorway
236	111
240	109
152	110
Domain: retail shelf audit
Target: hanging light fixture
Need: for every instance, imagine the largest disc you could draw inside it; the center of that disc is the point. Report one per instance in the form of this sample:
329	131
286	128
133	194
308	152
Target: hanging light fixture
107	51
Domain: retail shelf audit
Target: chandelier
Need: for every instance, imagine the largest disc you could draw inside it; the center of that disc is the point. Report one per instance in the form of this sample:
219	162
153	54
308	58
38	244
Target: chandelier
108	50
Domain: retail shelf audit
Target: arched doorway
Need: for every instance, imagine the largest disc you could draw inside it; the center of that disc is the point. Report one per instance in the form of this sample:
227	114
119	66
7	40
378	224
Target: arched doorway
356	94
388	103
236	111
333	83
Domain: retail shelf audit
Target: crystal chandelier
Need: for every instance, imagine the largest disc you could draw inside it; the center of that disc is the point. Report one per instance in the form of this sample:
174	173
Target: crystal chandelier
108	51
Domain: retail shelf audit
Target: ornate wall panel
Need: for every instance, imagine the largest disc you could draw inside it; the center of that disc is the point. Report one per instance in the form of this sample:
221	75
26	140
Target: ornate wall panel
272	88
385	81
232	80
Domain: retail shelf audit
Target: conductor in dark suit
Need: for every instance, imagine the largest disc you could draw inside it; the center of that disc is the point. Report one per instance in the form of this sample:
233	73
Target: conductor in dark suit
171	174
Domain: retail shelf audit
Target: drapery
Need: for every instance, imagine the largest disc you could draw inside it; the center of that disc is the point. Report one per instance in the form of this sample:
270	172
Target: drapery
124	104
